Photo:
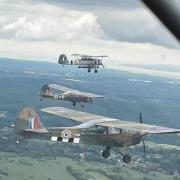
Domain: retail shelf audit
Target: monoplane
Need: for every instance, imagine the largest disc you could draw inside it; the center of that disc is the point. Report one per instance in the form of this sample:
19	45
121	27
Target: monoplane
83	61
93	129
68	94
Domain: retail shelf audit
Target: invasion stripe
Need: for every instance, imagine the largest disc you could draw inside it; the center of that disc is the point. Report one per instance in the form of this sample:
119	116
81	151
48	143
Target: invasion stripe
70	140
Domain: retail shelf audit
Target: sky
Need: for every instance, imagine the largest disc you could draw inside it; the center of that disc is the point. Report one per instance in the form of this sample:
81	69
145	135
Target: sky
125	30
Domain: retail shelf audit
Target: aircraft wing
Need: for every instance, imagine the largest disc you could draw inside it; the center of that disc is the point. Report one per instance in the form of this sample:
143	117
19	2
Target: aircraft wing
88	56
73	91
60	87
88	120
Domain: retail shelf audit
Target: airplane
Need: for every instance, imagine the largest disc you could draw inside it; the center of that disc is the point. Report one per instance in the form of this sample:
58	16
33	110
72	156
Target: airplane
93	129
68	94
83	61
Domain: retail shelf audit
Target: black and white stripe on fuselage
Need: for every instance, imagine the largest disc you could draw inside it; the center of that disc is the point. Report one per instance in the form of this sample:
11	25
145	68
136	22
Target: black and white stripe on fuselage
68	140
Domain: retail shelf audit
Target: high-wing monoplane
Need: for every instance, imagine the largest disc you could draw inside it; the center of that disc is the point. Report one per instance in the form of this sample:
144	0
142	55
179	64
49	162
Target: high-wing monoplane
68	94
93	129
83	61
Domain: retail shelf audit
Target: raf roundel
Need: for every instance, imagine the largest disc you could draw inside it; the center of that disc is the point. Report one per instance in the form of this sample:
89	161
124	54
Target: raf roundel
66	134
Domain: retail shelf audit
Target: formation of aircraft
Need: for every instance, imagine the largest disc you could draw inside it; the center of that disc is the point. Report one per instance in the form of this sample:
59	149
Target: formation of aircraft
68	94
93	129
83	61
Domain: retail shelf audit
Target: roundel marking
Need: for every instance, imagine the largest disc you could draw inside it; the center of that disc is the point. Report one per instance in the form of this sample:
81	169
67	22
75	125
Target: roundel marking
66	134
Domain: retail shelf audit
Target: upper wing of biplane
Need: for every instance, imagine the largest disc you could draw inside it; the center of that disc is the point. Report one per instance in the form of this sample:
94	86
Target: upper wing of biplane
69	90
89	120
88	56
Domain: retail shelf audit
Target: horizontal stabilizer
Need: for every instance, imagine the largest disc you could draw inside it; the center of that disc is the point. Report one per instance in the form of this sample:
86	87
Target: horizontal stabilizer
36	130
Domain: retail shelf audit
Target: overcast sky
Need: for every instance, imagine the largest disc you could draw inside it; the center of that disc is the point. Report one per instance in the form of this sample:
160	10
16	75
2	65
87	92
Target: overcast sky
122	29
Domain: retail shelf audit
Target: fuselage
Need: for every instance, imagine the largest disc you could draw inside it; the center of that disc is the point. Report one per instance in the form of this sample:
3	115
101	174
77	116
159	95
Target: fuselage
103	137
89	63
72	97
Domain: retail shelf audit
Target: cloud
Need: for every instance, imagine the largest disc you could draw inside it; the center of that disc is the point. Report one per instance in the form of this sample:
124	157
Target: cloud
47	20
68	25
137	25
94	3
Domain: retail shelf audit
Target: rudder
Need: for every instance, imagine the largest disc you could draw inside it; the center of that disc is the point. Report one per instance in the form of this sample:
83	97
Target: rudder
27	119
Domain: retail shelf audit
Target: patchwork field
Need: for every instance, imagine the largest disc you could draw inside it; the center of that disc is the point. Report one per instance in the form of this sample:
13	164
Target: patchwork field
26	168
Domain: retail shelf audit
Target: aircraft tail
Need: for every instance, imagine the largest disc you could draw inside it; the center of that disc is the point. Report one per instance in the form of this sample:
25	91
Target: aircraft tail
27	119
63	60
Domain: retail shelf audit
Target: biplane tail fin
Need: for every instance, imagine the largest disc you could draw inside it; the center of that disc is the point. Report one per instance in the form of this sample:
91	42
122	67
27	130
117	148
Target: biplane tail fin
27	119
63	60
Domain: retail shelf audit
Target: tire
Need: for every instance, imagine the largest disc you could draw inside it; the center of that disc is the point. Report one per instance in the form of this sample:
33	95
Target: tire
105	153
126	158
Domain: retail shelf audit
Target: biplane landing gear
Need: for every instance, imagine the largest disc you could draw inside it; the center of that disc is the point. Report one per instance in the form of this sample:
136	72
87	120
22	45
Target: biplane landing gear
126	158
89	70
74	103
106	152
82	106
95	71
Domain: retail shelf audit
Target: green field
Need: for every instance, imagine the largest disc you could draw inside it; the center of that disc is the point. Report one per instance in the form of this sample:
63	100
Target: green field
26	168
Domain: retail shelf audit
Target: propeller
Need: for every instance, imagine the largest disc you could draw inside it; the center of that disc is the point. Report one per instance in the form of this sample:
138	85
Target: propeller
141	121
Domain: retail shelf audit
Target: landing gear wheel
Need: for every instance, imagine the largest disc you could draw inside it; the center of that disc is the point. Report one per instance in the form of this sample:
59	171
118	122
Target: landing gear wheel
126	158
74	103
89	70
95	71
82	105
105	153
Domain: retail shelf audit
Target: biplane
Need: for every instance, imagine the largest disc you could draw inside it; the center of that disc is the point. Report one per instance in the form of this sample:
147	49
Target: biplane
68	94
90	129
83	61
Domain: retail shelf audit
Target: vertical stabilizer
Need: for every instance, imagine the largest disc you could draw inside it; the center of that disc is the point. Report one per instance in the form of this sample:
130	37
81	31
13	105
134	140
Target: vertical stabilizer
27	119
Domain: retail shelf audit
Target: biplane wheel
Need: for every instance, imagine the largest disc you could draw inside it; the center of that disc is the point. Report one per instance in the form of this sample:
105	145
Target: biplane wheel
74	103
105	153
95	71
126	158
89	70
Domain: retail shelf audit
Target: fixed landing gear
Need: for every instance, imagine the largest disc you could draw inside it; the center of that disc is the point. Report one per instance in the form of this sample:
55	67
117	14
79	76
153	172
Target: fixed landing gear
95	71
89	70
126	157
74	103
106	152
82	106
